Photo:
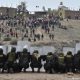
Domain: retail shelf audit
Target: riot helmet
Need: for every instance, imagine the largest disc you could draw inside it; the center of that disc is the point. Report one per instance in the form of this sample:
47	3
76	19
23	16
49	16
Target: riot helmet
13	49
69	53
25	50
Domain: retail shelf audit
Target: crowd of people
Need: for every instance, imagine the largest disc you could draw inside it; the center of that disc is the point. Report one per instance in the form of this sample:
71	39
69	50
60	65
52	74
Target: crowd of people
28	28
54	63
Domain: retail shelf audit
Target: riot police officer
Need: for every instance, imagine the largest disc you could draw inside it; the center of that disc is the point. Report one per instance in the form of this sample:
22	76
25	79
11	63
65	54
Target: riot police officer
11	58
48	66
2	59
36	61
69	61
61	62
77	62
24	59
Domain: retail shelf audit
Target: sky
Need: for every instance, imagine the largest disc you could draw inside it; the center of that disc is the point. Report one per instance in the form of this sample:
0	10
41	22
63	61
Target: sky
31	4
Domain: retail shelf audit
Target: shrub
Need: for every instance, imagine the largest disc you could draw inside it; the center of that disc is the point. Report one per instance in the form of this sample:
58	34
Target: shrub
7	39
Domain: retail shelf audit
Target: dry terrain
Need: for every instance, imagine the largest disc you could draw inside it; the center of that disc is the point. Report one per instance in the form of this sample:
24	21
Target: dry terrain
39	76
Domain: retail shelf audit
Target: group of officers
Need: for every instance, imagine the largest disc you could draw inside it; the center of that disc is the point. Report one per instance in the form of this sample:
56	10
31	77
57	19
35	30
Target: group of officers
54	63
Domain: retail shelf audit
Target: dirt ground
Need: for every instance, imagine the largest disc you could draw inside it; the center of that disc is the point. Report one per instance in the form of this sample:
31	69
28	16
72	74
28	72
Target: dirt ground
39	76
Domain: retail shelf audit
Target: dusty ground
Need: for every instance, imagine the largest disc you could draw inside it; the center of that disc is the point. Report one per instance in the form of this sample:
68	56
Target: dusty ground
39	76
60	35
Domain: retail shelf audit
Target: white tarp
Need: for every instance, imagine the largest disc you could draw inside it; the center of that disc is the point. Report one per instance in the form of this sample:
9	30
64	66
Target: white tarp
10	46
47	49
4	47
77	47
32	48
22	44
20	48
66	49
43	50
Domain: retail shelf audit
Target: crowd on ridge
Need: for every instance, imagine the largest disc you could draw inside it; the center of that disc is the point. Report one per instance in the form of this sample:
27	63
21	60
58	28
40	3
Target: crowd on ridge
31	29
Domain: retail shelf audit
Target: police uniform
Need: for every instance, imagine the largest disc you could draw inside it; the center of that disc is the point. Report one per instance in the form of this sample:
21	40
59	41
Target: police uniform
61	61
24	59
11	58
35	61
49	65
69	61
76	62
2	59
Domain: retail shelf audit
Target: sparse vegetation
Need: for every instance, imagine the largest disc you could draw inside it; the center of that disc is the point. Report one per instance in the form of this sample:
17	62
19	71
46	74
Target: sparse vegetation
7	39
